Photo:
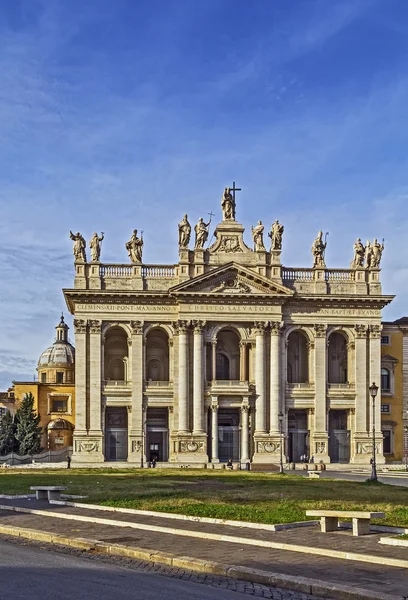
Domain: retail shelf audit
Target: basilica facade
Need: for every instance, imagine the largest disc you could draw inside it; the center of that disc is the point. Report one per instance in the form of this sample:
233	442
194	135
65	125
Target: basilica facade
227	354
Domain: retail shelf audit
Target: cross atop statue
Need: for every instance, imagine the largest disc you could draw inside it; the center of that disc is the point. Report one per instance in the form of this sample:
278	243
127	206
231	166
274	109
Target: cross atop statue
234	189
228	203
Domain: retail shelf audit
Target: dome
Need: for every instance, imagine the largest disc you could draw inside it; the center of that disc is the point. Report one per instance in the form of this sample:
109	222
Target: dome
60	353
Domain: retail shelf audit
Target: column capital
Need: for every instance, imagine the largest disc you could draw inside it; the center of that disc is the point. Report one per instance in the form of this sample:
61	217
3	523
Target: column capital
260	327
276	327
95	326
320	330
360	330
137	327
199	326
375	331
245	408
181	326
80	325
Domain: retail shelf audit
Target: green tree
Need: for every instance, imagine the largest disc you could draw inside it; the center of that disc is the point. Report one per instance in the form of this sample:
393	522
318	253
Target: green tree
8	442
28	430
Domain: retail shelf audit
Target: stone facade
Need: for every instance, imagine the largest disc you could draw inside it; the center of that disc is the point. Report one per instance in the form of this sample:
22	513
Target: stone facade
227	354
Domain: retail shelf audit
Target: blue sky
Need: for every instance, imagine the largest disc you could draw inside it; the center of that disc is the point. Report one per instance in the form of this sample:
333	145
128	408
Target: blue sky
126	114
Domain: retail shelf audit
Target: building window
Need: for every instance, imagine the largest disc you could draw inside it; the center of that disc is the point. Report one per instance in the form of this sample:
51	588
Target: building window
385	380
60	377
386	409
385	340
43	377
3	411
387	443
223	367
59	406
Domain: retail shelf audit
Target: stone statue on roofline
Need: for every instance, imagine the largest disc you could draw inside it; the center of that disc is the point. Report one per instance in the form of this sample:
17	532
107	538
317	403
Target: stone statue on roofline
368	254
95	246
318	249
135	247
376	253
184	229
201	231
79	246
257	236
276	234
359	254
228	205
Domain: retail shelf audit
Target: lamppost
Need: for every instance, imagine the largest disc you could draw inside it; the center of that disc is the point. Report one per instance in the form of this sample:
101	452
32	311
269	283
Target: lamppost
280	417
373	393
405	443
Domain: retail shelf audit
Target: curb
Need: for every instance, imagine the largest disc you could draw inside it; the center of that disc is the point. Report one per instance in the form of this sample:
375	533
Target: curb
313	587
181	517
340	554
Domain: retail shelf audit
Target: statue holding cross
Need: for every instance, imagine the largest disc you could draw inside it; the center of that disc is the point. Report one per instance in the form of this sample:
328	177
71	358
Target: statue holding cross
228	203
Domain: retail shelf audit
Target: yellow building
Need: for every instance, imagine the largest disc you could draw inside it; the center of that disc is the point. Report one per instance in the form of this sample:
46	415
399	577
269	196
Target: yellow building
393	401
54	392
7	402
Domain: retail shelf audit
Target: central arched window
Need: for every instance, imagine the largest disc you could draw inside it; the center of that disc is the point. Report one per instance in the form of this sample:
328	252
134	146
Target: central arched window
228	355
223	366
385	380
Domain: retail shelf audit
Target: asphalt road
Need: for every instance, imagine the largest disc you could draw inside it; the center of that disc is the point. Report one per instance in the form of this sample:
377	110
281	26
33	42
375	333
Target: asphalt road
401	480
30	572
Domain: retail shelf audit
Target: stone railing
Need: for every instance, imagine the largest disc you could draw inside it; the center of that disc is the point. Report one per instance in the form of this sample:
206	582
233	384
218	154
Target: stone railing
340	275
150	383
297	274
159	271
115	271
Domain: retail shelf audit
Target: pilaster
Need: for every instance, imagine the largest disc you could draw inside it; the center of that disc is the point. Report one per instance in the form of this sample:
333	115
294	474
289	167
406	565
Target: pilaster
81	446
375	376
320	445
361	435
137	450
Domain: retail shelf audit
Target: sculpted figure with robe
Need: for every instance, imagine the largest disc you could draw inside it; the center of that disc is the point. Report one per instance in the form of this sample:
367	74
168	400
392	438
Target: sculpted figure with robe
257	236
201	231
359	253
368	254
318	248
79	246
135	247
228	205
95	246
184	229
377	250
276	235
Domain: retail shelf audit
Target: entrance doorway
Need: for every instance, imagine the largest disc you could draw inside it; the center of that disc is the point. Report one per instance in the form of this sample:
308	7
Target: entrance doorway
157	434
298	435
228	434
116	434
339	437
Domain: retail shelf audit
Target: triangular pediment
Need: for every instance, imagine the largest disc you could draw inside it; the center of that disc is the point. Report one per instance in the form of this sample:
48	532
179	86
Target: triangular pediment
389	358
232	280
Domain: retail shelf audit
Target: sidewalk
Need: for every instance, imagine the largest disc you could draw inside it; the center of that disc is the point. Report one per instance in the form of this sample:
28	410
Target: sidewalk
310	554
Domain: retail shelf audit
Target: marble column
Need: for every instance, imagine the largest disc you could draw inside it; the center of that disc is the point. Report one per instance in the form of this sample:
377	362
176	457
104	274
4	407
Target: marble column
137	452
214	360
274	379
244	434
375	376
243	361
198	379
320	447
214	431
80	326
361	379
95	391
260	413
183	377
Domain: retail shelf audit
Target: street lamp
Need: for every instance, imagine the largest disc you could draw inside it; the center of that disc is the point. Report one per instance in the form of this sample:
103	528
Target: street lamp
373	393
280	417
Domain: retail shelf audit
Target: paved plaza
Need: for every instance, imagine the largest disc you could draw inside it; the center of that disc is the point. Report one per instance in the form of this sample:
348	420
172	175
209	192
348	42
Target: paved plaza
189	538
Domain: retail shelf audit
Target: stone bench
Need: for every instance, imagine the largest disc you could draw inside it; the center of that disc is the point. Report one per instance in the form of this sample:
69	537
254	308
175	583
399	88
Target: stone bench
52	492
329	519
313	474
